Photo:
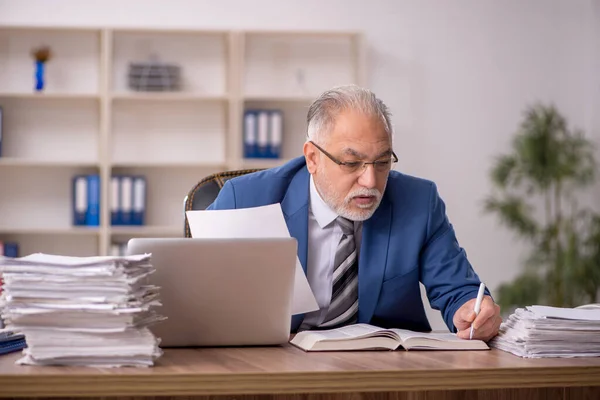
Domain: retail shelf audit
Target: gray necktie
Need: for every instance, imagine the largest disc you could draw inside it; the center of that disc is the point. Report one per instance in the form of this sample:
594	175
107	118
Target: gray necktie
343	309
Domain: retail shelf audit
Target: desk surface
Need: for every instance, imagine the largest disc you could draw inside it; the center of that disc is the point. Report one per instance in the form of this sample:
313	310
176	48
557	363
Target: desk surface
279	370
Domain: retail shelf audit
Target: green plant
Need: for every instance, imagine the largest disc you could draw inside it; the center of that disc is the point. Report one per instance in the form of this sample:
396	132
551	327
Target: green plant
547	167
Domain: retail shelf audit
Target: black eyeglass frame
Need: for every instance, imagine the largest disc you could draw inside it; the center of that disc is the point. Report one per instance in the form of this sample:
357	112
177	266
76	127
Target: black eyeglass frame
355	165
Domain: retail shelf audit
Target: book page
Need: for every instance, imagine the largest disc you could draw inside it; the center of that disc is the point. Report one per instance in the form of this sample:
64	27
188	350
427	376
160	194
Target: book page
440	336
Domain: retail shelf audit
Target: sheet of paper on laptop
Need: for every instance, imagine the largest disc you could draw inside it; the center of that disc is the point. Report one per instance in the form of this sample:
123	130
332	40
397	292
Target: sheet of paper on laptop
257	222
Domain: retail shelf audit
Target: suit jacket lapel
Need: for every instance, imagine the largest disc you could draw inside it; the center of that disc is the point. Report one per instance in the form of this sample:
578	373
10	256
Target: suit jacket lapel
295	210
373	258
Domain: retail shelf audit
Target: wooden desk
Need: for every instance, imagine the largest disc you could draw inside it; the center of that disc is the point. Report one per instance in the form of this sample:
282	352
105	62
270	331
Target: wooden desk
287	373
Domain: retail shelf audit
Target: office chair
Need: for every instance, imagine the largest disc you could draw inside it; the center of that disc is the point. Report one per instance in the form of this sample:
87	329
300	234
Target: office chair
205	192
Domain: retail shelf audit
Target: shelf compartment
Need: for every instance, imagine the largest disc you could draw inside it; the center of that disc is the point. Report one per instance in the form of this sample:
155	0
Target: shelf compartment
49	130
166	191
72	70
201	56
38	200
294	66
167	132
294	129
78	245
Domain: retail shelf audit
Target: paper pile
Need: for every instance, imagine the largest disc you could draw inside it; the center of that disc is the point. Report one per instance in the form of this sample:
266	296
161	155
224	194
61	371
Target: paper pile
92	311
541	331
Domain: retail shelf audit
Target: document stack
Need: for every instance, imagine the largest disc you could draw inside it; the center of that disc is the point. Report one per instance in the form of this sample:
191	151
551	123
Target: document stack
88	311
541	331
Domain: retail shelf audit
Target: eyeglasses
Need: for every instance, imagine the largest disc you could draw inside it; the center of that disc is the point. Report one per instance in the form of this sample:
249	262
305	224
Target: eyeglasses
383	165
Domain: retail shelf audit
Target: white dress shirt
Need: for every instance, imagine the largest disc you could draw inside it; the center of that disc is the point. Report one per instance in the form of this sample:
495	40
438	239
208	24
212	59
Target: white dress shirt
324	234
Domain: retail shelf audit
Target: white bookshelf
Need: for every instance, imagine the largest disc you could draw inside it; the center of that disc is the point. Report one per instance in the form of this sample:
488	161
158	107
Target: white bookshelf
87	119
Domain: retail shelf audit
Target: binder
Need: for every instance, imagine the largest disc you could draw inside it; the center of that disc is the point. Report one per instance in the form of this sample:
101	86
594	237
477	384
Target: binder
1	126
10	346
115	197
138	213
126	198
250	134
263	134
276	133
11	249
93	191
80	200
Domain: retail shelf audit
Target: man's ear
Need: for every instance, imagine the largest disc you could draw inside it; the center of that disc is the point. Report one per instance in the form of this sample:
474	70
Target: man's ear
311	156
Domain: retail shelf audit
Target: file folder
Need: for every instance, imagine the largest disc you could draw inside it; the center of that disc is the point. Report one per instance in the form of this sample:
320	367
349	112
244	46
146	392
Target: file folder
126	203
93	210
275	133
263	134
11	249
80	200
250	134
139	200
115	197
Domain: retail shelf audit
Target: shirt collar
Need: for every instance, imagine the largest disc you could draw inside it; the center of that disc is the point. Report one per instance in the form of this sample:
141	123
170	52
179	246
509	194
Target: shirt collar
321	211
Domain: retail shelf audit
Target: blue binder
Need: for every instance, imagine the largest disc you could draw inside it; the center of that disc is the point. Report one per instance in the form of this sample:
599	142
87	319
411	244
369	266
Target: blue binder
80	200
275	133
126	200
11	249
115	200
262	137
11	342
250	133
93	210
138	211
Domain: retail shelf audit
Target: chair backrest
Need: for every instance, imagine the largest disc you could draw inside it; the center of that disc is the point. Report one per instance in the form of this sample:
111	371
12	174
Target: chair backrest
206	191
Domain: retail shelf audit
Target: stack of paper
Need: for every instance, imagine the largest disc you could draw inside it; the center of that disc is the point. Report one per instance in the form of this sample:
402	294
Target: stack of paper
541	331
81	310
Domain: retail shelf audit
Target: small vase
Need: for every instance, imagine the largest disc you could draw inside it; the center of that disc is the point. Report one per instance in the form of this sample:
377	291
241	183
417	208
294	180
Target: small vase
39	76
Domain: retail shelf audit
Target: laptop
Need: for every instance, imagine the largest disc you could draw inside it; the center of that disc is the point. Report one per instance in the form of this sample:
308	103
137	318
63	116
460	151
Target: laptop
221	292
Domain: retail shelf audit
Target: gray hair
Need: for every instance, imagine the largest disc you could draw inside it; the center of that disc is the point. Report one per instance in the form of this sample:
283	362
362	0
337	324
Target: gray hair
322	112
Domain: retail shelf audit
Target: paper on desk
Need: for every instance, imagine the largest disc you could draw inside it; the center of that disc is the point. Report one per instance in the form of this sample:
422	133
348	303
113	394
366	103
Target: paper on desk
257	222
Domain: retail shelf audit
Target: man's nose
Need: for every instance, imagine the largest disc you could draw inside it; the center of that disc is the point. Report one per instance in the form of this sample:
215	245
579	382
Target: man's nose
368	177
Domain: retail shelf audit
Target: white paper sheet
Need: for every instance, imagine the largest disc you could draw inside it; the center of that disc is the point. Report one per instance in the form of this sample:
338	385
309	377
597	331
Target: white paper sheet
258	222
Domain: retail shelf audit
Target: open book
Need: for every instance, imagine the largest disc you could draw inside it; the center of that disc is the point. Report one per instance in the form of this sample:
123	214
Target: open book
369	337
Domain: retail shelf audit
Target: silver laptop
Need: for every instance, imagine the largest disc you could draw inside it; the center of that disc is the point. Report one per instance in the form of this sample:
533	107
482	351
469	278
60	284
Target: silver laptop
222	292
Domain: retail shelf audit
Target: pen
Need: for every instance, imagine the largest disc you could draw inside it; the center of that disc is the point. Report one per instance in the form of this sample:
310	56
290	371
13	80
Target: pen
478	305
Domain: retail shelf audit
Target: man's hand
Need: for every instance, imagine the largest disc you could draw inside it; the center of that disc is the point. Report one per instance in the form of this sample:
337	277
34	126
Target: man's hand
486	324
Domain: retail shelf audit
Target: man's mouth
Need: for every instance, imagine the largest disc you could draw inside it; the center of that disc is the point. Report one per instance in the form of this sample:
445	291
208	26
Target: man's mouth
364	200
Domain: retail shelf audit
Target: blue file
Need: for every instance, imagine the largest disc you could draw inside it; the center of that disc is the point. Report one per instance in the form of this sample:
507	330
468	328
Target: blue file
115	200
126	200
11	249
250	132
80	200
139	200
11	344
275	133
93	210
262	137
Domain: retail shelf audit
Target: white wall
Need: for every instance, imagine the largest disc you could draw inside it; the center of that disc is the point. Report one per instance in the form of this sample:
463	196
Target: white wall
457	75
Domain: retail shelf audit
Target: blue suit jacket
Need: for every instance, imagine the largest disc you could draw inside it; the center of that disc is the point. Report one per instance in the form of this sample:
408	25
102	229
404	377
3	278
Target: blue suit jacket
407	240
